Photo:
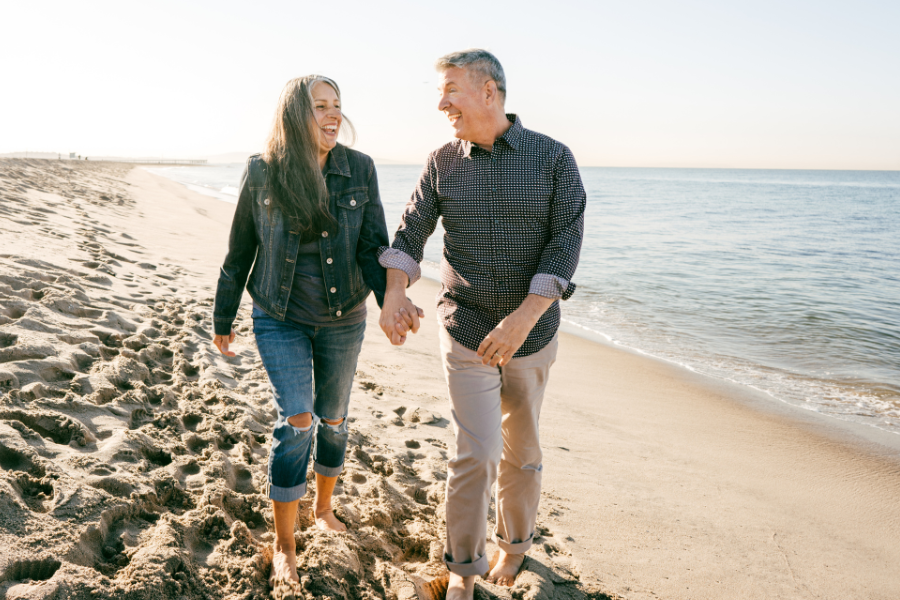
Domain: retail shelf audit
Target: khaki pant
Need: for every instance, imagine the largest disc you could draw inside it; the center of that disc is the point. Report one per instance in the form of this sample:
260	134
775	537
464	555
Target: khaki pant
495	414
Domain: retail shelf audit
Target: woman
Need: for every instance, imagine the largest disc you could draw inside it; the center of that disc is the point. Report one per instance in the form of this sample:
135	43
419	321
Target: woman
306	232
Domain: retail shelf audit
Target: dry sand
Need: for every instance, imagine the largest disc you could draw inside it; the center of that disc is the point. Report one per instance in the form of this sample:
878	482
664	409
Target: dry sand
132	454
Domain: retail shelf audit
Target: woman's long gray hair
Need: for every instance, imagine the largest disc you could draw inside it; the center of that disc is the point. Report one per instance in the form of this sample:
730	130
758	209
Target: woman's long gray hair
295	181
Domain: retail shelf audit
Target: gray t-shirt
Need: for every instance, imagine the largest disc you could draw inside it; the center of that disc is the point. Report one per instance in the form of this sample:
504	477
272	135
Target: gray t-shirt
308	303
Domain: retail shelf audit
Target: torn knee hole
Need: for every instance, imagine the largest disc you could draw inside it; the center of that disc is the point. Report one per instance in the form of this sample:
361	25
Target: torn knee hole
333	424
301	422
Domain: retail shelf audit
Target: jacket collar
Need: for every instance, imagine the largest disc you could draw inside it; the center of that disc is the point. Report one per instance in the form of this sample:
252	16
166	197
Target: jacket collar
337	162
512	137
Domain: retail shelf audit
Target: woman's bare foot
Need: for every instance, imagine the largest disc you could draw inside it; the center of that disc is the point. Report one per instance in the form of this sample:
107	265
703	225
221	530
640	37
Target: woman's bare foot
461	588
326	521
284	566
506	569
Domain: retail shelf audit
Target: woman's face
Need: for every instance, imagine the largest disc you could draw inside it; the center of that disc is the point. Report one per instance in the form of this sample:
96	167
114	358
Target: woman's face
327	108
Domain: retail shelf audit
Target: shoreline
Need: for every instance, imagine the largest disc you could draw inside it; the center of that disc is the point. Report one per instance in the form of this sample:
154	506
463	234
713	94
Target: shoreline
868	436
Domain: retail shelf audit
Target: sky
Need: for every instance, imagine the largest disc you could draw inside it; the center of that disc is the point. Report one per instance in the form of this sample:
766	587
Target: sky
788	84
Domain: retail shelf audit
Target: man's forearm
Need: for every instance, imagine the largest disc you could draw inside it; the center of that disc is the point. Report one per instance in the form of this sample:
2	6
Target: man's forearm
533	307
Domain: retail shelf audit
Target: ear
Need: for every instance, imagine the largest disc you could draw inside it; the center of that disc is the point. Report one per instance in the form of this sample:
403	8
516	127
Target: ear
490	91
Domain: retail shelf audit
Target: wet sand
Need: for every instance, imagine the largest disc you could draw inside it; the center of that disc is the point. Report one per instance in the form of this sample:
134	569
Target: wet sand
132	454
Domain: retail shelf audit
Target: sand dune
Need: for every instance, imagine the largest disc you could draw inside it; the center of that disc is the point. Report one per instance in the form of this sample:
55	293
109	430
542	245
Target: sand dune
133	455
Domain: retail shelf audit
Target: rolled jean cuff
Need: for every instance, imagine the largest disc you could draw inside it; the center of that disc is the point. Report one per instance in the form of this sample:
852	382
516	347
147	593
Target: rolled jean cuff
515	547
280	494
328	471
476	567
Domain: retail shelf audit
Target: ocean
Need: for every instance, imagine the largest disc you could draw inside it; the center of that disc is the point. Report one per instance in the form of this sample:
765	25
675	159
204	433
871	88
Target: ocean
784	281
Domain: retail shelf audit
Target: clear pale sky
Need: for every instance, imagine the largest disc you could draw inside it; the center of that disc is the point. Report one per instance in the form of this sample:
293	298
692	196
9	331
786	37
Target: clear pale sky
789	84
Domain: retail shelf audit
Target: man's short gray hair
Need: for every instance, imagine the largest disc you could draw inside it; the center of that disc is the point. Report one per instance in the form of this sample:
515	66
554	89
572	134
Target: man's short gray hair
478	61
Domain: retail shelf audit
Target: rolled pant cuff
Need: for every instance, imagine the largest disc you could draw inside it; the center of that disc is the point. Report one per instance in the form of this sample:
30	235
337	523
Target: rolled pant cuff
328	471
280	494
476	567
515	547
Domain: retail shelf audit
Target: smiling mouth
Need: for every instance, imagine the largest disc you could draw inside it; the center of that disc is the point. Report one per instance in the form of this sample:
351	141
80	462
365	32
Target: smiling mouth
454	118
330	129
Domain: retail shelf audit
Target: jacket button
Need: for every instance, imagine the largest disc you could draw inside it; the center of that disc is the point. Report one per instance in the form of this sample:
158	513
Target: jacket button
329	261
353	203
266	201
333	290
338	313
324	234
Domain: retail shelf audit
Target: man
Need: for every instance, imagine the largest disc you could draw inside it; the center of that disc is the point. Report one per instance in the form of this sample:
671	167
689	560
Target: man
512	205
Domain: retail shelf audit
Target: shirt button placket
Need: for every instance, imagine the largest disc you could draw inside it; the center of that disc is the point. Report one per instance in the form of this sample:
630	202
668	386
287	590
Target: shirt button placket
495	229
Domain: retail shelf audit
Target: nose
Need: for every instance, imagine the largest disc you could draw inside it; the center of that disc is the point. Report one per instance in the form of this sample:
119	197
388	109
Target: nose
444	102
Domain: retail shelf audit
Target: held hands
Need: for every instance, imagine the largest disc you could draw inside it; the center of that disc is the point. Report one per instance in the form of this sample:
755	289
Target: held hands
222	342
399	316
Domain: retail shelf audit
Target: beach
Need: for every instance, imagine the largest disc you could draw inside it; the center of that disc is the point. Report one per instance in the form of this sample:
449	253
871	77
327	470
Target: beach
133	454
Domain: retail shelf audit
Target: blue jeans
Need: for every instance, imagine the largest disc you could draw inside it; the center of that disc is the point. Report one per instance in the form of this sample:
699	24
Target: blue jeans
310	370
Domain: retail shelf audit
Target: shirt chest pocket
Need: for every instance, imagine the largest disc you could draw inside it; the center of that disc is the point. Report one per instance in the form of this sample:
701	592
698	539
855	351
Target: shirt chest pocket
351	207
532	198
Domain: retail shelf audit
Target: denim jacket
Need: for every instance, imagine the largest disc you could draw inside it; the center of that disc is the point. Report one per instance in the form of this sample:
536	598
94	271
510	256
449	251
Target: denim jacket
262	247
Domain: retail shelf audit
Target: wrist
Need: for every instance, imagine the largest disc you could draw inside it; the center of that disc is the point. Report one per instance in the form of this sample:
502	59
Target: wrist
395	293
525	317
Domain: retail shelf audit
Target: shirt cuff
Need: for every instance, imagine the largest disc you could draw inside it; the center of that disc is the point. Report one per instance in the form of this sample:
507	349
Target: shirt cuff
391	258
551	286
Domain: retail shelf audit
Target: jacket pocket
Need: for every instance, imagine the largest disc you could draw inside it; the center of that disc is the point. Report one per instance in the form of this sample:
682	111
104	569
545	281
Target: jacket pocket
350	209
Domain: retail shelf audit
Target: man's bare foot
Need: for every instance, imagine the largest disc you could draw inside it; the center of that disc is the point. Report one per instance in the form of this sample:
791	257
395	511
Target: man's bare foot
284	566
506	569
461	588
326	521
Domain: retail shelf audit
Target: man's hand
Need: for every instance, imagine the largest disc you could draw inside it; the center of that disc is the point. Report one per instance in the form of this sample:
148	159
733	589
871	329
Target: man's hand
222	342
398	314
506	338
404	320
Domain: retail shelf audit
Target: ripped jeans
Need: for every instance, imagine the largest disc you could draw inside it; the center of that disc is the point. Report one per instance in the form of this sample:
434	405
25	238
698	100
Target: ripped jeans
310	370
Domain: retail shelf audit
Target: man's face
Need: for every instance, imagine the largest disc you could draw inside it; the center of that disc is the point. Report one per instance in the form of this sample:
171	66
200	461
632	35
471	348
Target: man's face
463	101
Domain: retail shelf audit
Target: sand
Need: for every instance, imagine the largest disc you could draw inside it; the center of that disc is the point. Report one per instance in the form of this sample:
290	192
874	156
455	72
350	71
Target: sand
132	454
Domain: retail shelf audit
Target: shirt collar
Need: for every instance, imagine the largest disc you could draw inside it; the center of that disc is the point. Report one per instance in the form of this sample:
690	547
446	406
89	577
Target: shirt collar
337	162
512	136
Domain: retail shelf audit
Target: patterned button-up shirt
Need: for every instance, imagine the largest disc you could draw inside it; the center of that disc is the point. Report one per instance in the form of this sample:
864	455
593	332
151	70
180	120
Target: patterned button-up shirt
513	219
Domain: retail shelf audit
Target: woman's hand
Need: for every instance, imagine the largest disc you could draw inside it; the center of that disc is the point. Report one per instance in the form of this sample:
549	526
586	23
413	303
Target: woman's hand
222	341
